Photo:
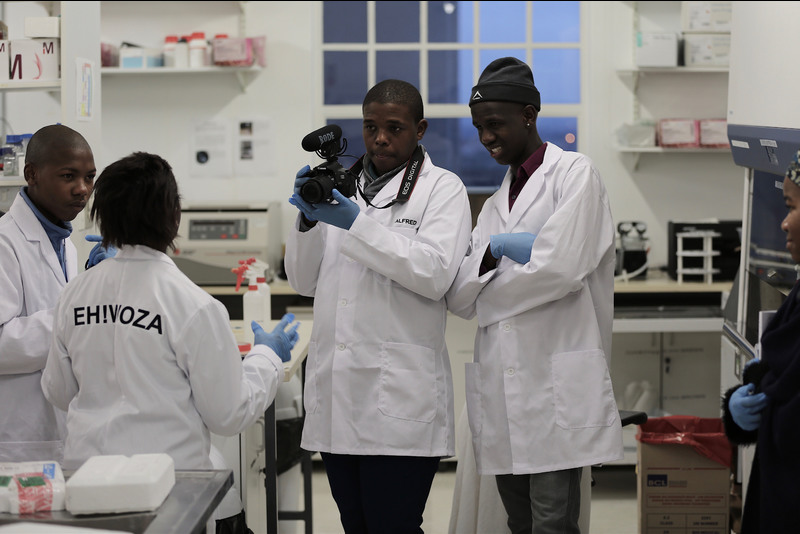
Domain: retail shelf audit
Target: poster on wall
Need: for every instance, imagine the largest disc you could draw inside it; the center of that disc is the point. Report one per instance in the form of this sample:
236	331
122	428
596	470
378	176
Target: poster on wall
210	150
253	148
84	88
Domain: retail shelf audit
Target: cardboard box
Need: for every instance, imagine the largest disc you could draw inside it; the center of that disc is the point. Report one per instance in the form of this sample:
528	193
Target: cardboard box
681	491
706	49
678	133
656	49
35	59
706	16
714	133
42	27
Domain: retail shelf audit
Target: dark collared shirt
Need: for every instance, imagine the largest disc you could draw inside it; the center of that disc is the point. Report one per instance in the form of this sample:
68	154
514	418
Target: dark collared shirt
524	172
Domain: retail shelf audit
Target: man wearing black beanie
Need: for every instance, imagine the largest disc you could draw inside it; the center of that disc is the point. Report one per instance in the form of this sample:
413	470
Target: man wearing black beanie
540	278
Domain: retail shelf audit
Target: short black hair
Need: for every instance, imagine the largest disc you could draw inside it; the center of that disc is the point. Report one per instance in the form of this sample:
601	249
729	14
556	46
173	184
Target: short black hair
396	92
136	202
50	140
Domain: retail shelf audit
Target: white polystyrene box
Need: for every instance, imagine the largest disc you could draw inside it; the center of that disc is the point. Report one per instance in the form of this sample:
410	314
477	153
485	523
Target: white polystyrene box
35	59
48	27
5	66
707	49
116	483
706	16
657	49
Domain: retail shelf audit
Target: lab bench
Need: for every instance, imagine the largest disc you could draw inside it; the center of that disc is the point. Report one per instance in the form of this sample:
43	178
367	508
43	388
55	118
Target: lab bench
186	509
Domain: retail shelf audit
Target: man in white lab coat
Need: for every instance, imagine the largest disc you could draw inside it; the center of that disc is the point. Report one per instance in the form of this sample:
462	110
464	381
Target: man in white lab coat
37	259
378	386
540	278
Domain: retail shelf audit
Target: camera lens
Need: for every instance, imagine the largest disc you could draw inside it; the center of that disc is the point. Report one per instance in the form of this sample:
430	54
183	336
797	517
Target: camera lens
312	191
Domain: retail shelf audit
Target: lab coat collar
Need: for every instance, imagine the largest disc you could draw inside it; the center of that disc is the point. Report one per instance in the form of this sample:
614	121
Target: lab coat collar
34	232
389	191
532	189
142	252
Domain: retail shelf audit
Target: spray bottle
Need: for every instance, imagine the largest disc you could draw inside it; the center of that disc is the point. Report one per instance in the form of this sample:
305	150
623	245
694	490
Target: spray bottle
259	269
256	302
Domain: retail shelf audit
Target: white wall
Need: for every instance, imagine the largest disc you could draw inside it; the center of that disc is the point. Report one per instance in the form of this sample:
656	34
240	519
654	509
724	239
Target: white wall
664	187
156	113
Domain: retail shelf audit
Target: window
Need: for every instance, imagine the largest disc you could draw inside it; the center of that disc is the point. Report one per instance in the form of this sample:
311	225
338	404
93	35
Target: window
442	47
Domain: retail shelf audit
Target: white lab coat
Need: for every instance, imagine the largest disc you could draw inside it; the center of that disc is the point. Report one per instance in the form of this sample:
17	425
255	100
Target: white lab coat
378	379
146	361
539	393
31	279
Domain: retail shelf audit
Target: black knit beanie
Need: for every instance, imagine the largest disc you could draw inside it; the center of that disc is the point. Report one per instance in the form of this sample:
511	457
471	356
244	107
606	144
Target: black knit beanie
507	80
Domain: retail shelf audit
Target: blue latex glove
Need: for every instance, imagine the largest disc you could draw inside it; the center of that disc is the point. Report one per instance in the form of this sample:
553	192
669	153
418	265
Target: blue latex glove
341	214
301	178
305	208
516	246
281	340
745	407
296	200
99	252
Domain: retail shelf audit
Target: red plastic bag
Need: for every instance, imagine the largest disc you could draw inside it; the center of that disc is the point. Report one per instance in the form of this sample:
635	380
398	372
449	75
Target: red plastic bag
705	435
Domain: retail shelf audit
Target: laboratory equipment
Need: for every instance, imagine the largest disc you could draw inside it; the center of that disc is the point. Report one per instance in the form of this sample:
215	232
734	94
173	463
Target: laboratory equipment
210	240
632	250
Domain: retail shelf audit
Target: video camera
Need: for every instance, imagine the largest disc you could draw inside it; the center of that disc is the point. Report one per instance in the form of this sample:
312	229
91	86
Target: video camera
323	179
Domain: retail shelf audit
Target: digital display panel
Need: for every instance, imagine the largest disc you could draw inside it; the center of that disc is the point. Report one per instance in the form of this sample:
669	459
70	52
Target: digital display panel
217	229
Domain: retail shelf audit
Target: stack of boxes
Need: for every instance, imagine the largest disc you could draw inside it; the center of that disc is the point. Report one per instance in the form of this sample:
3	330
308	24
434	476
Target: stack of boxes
706	33
704	42
37	57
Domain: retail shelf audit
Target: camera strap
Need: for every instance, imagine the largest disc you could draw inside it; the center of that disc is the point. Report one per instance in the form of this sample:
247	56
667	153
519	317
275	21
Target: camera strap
409	178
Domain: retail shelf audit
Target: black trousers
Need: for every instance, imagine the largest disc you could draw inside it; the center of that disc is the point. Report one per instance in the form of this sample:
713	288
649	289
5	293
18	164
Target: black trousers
380	494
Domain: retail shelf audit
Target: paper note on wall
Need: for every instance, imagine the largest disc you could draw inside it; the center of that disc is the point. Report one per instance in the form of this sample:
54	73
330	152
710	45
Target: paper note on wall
254	148
210	154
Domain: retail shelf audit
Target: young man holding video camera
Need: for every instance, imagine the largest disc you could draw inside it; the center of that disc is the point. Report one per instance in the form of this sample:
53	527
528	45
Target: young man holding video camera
378	386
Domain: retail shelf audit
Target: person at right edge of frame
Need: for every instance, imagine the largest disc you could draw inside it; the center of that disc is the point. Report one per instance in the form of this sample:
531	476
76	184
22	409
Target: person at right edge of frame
539	275
765	409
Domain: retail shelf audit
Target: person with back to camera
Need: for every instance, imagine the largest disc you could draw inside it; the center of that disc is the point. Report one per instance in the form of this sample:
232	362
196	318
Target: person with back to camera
37	259
142	359
378	387
765	409
540	278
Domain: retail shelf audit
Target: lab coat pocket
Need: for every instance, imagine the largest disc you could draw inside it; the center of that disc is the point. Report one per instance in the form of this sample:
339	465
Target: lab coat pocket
582	390
408	382
310	395
472	390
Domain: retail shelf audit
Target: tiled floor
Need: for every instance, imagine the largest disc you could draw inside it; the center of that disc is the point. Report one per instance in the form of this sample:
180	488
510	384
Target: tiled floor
613	510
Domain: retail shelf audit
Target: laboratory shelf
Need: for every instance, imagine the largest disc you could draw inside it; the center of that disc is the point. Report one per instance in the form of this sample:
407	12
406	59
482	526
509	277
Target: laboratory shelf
12	181
16	85
119	71
244	74
667	150
673	70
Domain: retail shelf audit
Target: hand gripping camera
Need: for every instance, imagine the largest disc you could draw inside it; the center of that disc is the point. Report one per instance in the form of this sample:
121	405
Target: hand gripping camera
323	179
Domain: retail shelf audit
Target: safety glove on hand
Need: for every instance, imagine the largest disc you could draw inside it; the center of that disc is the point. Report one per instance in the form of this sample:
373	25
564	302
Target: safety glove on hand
745	407
516	246
281	340
296	200
99	252
342	213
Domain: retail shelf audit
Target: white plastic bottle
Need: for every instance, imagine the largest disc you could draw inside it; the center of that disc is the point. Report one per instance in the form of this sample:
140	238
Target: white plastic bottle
182	53
253	307
198	48
260	269
170	43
